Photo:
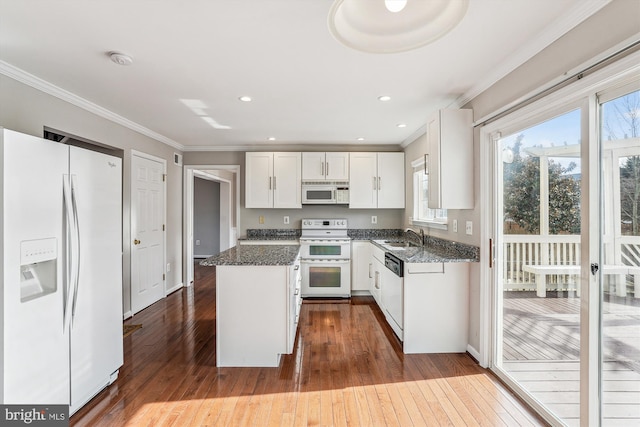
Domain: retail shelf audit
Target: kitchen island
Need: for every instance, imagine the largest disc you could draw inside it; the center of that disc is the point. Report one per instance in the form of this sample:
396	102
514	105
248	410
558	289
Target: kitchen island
257	303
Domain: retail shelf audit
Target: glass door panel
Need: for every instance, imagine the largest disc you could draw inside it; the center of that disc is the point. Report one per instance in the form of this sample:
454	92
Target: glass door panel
538	260
620	252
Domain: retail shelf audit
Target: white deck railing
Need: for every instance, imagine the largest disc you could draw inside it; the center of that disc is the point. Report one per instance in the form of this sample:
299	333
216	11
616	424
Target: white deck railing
520	250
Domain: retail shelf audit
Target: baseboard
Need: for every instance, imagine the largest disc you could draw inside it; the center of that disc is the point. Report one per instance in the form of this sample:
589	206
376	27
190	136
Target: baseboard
360	293
473	352
127	315
175	288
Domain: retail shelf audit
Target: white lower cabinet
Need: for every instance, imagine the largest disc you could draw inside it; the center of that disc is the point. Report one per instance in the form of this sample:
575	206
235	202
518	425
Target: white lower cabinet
257	312
377	260
436	307
361	268
428	309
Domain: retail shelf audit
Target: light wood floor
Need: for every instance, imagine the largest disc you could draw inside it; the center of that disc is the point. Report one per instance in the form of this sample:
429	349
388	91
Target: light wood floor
347	369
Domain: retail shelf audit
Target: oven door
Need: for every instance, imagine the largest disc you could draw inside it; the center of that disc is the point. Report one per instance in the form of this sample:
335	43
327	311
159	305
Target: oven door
315	249
326	278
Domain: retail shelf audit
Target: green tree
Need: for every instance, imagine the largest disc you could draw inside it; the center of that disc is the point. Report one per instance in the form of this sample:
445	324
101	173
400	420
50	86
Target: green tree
522	194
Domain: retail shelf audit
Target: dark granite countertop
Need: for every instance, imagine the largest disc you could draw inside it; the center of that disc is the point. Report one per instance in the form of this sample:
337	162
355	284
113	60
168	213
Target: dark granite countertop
431	253
434	250
255	255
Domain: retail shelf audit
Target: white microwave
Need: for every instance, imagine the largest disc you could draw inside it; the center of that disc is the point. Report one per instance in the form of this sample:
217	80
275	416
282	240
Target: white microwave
325	193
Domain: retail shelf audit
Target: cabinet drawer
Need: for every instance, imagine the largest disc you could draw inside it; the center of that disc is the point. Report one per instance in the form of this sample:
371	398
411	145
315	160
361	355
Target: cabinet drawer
427	267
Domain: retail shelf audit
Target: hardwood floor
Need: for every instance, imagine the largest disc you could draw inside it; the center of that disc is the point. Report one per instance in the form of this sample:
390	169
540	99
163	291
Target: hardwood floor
347	369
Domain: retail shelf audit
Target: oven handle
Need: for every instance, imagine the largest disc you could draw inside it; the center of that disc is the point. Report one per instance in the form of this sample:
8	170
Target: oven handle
324	261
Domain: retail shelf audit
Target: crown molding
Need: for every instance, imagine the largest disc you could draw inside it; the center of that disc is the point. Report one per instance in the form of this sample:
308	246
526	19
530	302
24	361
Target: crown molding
551	33
35	82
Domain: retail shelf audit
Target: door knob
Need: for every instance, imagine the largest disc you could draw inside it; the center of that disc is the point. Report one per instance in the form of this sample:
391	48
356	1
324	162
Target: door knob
136	242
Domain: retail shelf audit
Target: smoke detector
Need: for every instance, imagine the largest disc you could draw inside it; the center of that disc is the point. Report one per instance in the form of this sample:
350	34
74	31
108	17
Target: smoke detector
120	58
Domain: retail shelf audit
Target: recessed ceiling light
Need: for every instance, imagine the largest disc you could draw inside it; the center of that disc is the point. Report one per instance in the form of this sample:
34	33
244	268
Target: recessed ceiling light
245	98
384	98
360	139
271	138
402	125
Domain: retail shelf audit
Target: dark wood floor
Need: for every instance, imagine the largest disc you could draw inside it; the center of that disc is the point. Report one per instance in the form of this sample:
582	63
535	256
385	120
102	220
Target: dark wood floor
347	369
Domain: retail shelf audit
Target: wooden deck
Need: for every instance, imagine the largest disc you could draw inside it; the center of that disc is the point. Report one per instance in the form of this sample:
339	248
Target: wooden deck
541	349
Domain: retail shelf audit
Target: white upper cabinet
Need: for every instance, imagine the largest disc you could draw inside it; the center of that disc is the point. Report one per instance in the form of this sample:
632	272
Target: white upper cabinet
391	180
273	180
449	159
376	180
325	166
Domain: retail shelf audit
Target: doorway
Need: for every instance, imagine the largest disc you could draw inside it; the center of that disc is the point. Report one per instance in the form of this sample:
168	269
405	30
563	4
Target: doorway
227	217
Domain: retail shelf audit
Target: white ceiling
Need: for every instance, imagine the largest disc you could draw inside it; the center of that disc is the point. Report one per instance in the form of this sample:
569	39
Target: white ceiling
306	87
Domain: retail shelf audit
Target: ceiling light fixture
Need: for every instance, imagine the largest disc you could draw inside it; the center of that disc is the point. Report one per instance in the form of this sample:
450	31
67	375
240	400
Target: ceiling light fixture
245	98
360	139
271	138
384	98
368	26
120	58
401	125
395	5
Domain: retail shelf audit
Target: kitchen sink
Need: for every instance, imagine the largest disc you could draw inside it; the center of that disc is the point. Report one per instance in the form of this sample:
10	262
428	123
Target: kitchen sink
397	244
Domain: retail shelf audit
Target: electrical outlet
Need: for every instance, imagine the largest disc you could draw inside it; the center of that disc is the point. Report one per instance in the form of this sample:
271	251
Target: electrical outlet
455	225
469	228
168	267
286	220
374	219
261	219
197	242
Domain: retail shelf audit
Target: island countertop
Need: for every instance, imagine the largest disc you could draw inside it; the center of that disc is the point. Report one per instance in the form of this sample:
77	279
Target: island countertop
255	255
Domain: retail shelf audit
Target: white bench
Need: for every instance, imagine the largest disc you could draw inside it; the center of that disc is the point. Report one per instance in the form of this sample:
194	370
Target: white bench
542	271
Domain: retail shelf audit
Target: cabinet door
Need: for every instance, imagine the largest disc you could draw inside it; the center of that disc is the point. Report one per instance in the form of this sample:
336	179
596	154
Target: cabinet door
450	159
258	180
391	180
337	166
376	288
287	180
313	165
361	266
363	180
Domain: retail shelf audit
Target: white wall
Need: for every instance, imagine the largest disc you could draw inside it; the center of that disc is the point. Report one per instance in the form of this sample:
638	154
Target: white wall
28	110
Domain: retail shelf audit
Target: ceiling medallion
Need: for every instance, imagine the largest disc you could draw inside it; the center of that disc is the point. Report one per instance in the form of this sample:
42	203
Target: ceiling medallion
371	25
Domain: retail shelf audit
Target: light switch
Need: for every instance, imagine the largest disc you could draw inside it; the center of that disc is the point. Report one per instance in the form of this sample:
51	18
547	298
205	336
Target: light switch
286	220
374	219
455	225
469	227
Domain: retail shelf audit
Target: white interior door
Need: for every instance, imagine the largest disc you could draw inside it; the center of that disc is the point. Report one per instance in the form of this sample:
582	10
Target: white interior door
147	234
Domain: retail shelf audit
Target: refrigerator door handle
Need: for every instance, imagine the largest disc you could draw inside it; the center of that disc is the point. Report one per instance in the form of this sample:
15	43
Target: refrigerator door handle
76	258
68	208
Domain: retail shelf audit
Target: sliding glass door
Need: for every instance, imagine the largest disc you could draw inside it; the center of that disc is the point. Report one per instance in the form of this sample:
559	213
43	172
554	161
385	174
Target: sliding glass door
620	249
566	271
538	260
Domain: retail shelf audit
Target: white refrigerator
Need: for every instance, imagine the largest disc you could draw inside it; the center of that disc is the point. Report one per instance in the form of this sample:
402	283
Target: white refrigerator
61	266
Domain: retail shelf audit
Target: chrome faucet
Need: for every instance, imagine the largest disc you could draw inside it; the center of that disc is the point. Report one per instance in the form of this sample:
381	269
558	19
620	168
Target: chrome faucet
419	235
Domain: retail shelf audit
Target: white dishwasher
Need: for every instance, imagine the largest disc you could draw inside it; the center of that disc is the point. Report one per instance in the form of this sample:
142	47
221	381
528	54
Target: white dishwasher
393	292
